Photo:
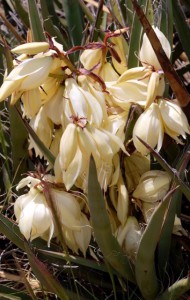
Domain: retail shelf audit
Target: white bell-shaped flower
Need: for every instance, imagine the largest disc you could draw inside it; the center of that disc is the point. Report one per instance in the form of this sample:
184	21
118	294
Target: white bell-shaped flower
147	54
129	236
28	75
33	215
174	120
149	128
43	127
153	186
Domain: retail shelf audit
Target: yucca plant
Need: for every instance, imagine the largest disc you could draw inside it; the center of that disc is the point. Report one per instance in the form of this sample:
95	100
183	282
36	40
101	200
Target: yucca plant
94	149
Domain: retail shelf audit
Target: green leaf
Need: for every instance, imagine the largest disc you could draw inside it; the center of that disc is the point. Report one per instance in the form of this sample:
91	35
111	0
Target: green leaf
108	244
51	22
174	206
35	22
11	231
181	26
176	290
74	20
129	13
117	12
19	144
12	294
145	269
98	20
167	21
86	12
60	257
44	276
165	237
23	15
135	38
5	184
19	136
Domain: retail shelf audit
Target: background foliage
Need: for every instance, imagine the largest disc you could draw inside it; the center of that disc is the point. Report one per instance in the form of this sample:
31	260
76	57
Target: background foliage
33	271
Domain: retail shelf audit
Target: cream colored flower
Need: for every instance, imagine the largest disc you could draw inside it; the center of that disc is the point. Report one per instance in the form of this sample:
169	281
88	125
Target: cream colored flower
136	73
156	87
147	54
149	128
31	100
49	88
77	144
43	127
96	91
174	119
28	75
139	85
107	72
119	46
75	225
131	87
55	144
91	58
34	216
153	186
116	123
129	236
54	108
31	48
68	208
83	235
82	103
120	199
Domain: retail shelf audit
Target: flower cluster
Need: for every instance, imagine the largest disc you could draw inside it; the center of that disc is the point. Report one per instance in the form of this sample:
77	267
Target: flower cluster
79	113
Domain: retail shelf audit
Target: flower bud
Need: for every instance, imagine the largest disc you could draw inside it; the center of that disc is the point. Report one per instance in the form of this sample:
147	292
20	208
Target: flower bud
147	54
31	48
153	186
